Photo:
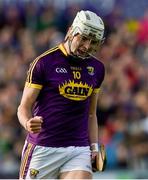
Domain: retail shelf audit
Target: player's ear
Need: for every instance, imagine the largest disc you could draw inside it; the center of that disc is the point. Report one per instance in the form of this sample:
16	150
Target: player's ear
69	33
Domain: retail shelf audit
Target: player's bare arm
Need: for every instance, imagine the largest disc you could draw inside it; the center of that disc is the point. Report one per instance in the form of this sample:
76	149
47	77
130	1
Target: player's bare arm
93	126
31	124
97	151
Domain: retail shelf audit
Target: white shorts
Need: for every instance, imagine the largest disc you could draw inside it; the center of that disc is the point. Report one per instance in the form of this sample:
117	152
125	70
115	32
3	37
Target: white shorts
39	162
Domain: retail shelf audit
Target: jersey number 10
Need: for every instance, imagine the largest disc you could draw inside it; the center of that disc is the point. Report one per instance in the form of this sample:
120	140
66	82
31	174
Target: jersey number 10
76	74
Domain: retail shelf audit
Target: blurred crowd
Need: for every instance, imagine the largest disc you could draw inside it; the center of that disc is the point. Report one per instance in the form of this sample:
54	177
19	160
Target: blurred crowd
27	31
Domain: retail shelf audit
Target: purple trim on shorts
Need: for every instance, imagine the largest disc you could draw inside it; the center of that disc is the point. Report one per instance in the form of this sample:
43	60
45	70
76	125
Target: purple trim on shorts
25	148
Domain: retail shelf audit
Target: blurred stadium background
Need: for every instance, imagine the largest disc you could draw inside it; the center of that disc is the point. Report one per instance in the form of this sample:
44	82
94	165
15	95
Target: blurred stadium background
28	27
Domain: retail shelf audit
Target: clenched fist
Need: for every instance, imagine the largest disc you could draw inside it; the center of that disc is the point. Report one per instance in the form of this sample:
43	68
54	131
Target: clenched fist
34	124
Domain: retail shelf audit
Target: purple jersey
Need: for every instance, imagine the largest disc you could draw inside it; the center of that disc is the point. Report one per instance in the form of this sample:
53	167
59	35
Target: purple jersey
66	84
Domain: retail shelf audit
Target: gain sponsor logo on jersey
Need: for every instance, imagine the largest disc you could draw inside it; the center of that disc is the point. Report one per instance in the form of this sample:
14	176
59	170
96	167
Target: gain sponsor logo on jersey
75	91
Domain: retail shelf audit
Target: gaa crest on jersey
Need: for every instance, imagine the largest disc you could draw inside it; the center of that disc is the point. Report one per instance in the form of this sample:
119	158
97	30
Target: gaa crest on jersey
33	173
90	70
75	91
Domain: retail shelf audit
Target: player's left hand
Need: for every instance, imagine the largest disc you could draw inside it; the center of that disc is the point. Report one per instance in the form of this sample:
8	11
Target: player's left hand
99	159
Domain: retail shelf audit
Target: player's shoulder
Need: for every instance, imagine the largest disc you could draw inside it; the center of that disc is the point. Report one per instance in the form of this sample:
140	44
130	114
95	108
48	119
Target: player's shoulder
47	59
96	62
50	52
98	67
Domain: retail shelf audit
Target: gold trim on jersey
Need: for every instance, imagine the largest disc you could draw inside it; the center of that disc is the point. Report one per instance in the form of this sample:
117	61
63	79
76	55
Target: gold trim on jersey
36	86
30	71
62	48
96	90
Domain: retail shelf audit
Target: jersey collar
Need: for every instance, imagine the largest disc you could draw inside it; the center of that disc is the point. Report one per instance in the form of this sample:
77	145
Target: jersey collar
62	48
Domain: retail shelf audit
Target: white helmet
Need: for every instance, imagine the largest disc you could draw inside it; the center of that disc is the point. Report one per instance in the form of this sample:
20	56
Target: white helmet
88	23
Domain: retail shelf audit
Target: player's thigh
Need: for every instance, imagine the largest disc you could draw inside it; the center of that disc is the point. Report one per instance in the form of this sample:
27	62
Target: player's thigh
79	164
76	174
41	162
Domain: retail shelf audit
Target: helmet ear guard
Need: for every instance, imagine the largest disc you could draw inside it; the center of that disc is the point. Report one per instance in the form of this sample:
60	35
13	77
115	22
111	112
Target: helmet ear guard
72	32
68	33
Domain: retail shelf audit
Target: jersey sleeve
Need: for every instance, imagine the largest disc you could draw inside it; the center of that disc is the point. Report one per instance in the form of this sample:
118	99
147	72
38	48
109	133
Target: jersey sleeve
99	78
35	74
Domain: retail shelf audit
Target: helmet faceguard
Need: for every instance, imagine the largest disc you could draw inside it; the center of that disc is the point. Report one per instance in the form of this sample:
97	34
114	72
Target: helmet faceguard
89	25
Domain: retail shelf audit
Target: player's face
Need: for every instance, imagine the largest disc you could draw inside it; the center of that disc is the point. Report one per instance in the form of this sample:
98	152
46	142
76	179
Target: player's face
83	46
